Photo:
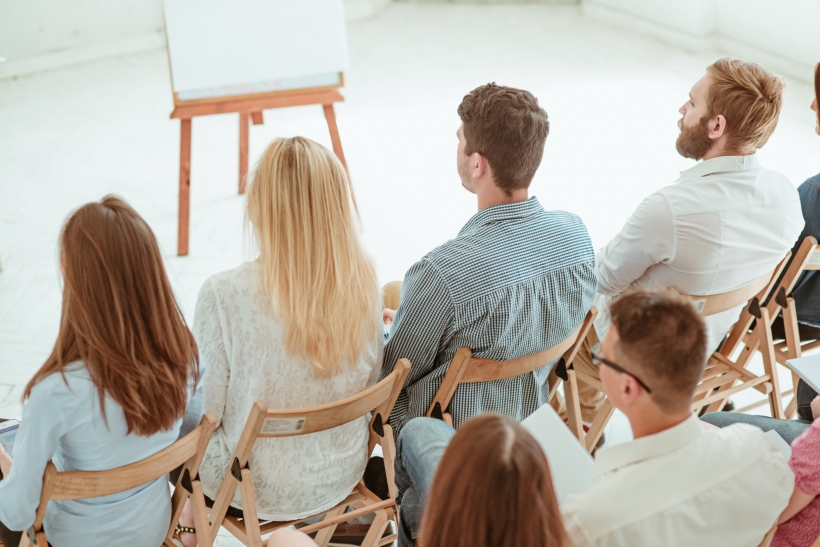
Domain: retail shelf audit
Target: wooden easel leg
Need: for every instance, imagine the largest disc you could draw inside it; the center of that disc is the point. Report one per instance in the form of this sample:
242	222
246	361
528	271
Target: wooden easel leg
184	186
244	123
330	116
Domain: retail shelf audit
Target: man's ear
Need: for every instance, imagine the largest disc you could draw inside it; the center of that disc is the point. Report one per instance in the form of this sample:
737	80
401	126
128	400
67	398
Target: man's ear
479	165
630	389
717	127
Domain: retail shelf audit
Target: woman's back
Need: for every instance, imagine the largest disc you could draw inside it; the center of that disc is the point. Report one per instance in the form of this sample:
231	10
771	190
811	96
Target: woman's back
62	422
298	327
242	344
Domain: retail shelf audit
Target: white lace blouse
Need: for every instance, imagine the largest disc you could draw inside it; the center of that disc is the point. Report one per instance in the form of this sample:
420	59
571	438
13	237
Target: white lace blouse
242	344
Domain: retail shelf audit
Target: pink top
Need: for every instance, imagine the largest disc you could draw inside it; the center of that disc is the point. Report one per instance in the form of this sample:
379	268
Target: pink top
804	528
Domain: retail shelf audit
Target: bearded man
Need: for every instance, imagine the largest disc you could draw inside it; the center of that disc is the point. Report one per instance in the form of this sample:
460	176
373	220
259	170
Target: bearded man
723	224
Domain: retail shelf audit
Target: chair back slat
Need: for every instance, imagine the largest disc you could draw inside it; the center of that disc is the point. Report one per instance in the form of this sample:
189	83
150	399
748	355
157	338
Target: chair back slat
717	303
73	485
301	421
812	260
487	370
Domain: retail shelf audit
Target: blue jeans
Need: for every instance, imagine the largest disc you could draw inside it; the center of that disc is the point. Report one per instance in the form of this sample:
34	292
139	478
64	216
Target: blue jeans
421	445
788	429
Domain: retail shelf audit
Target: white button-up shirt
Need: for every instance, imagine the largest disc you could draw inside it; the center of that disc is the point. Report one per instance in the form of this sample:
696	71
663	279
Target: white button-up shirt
683	487
726	222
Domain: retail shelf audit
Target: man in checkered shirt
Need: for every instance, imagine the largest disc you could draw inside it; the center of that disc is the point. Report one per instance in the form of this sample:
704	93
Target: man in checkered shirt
516	280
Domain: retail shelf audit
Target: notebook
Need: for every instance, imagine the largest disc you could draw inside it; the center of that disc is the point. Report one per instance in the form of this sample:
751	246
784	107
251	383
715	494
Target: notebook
573	469
807	368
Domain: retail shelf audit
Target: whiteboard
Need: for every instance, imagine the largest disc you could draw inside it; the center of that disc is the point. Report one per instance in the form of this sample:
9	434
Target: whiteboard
237	47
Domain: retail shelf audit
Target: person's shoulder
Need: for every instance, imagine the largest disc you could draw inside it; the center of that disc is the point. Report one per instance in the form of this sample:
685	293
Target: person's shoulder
564	220
777	181
739	439
73	382
810	184
241	277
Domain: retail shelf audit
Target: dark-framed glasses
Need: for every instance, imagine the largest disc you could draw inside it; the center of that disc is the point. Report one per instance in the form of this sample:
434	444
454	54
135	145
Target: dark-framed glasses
598	360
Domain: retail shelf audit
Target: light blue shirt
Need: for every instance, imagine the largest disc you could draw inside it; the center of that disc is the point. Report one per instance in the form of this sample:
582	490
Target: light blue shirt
62	422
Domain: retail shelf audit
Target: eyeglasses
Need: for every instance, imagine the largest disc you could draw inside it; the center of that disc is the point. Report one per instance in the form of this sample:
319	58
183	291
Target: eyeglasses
598	360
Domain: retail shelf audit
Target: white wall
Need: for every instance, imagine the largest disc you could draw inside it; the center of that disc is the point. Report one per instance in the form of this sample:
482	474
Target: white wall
781	34
38	35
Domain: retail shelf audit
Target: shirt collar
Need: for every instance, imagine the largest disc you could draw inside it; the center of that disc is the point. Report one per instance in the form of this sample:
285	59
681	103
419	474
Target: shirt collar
721	164
506	211
646	448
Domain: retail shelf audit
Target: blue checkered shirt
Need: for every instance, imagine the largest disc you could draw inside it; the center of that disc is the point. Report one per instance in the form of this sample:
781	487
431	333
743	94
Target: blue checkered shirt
516	280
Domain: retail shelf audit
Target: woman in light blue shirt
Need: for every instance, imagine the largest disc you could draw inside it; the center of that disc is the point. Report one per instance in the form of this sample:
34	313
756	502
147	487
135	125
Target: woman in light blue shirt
121	384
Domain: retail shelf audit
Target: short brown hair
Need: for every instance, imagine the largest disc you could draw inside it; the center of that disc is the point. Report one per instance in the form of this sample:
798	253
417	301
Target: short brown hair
662	338
748	96
506	126
120	318
492	489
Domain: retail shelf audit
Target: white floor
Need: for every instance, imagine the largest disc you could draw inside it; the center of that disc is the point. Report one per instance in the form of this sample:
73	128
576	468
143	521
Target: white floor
72	135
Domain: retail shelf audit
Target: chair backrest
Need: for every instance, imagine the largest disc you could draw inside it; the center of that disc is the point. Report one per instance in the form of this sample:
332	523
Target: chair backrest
263	423
807	257
464	368
717	303
74	485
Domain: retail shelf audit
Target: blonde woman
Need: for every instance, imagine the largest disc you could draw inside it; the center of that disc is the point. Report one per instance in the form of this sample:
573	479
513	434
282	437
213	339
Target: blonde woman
299	326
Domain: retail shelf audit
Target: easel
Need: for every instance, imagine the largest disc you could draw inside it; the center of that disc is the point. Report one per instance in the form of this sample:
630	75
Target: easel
250	108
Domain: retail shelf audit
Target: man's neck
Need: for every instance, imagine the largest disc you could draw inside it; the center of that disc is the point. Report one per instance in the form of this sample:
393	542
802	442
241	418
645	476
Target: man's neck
650	423
490	199
711	154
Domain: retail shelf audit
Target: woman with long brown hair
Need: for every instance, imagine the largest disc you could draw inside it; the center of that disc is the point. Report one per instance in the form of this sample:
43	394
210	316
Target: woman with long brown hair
491	487
119	386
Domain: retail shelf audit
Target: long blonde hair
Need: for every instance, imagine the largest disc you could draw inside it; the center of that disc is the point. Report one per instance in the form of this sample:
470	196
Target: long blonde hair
320	280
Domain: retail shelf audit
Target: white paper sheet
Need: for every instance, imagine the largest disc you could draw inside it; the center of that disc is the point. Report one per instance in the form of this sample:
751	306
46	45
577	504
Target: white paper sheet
571	465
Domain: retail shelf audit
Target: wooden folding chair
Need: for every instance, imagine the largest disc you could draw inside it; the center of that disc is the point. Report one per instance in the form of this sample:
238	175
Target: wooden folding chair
806	258
265	423
186	452
466	369
722	376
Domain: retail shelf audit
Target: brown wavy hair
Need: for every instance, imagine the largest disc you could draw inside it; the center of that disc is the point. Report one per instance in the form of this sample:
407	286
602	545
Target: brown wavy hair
492	489
119	317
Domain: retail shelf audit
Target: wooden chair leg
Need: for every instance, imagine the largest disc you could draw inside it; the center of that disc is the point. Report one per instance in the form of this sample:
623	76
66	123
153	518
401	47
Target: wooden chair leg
597	427
576	424
374	534
251	519
244	124
770	364
323	536
793	349
183	221
200	510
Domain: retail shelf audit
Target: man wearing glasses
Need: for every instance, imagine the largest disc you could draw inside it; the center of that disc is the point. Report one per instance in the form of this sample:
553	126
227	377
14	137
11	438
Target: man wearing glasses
675	483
